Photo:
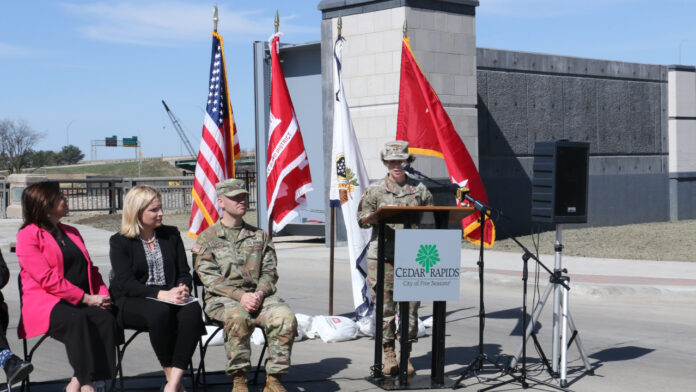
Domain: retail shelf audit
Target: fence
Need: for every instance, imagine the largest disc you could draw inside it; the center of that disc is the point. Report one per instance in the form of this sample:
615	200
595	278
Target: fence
106	194
4	197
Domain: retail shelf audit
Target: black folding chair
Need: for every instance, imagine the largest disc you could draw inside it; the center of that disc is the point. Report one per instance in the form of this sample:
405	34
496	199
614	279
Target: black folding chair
121	350
203	346
28	354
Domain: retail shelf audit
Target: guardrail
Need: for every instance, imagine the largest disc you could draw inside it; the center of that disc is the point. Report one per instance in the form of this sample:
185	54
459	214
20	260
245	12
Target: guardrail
106	193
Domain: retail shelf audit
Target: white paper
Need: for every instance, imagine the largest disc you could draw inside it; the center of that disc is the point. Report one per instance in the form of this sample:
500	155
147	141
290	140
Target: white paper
189	301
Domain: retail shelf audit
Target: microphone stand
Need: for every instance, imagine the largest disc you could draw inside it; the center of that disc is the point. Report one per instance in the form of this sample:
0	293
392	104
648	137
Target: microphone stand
523	377
477	364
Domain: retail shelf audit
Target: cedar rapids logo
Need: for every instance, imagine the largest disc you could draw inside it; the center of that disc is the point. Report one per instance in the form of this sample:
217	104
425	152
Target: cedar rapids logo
427	257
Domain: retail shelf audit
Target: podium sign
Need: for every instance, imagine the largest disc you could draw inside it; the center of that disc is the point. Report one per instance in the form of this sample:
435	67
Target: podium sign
426	265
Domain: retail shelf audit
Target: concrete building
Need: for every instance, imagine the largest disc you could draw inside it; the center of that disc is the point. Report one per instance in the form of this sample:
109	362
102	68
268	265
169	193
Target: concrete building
639	119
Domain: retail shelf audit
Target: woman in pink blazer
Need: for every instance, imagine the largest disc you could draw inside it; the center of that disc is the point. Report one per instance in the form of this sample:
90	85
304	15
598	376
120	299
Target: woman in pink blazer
63	293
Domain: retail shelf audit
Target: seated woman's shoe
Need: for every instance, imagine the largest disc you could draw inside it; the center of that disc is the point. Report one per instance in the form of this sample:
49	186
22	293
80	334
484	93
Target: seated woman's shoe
17	370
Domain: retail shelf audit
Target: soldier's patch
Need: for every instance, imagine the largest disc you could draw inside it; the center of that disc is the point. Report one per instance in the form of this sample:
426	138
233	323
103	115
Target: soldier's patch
196	248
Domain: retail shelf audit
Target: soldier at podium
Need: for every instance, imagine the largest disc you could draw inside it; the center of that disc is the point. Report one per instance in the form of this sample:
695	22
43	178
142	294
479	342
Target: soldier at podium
395	189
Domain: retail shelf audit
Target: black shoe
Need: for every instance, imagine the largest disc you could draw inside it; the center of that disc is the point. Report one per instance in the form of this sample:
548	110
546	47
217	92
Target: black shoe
17	370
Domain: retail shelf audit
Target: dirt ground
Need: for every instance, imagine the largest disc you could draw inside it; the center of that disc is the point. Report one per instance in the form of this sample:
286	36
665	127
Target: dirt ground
675	241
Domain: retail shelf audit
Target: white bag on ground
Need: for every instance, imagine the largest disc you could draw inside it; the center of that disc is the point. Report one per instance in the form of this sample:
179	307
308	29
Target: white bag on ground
257	337
428	322
421	327
218	340
366	326
304	327
335	328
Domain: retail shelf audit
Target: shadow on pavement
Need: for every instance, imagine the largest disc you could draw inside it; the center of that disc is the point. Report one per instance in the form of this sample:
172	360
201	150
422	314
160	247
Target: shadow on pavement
621	353
513	313
316	376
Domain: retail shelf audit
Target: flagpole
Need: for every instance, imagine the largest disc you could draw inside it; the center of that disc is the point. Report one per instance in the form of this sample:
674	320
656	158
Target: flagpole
276	23
215	19
333	223
331	259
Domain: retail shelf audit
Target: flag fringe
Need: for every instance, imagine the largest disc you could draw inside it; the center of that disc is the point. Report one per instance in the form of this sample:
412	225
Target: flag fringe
425	151
473	227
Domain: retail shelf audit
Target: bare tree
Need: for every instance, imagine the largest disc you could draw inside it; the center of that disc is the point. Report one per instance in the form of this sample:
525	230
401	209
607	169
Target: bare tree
16	142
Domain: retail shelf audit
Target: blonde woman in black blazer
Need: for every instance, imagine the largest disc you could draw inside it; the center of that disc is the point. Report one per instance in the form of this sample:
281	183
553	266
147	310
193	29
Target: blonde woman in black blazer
152	282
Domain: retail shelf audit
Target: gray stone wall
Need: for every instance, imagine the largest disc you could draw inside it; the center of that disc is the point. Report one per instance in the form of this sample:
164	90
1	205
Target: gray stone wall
619	108
682	141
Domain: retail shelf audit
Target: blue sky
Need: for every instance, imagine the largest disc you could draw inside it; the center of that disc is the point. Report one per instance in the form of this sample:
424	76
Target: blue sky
82	70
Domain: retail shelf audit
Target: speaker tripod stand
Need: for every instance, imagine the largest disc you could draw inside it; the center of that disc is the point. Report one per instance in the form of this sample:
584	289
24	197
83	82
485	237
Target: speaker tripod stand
522	378
562	322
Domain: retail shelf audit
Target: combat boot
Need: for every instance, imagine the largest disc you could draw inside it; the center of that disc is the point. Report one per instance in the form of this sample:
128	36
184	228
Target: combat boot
391	366
240	383
273	384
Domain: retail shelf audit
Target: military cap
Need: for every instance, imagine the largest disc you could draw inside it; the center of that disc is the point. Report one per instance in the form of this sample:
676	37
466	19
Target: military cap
395	151
231	187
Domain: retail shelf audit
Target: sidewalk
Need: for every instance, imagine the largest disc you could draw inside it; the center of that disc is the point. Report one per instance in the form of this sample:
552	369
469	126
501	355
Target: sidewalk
635	317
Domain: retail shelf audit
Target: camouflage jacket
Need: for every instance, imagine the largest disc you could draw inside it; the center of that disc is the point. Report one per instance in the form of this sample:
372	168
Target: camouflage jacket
232	267
386	192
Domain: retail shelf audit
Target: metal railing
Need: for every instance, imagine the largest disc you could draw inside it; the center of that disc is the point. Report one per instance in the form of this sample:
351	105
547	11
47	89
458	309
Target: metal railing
106	194
4	197
94	194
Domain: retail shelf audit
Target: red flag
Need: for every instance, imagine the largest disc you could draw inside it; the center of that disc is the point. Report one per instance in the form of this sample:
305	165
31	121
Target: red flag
423	122
287	172
219	145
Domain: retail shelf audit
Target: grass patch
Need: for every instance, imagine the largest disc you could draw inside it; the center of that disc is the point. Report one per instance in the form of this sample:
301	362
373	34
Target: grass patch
645	241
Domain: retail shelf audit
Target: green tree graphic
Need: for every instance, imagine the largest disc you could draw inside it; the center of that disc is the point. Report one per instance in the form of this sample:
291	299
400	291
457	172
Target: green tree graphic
427	256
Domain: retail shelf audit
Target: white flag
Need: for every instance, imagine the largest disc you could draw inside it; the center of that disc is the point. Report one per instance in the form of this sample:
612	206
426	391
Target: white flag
348	182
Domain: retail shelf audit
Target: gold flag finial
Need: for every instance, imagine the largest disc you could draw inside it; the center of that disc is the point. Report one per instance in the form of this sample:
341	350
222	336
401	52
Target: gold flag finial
340	25
405	28
215	19
277	21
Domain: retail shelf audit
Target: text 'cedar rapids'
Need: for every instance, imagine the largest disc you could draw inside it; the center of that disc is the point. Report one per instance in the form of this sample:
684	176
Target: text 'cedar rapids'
420	273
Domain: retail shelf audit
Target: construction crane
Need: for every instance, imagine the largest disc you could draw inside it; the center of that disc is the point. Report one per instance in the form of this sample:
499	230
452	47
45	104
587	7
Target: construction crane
179	130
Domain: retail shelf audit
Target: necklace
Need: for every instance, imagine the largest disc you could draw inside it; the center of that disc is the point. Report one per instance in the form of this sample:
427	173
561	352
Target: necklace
150	241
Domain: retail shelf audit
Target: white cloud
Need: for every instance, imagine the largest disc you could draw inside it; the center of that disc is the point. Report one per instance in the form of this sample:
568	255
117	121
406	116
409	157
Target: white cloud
173	23
13	51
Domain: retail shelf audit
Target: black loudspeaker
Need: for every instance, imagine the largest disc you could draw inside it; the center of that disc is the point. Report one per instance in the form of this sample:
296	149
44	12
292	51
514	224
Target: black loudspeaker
559	185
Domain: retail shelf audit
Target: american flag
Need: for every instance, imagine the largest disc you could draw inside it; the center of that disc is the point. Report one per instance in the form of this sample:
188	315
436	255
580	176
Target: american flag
219	145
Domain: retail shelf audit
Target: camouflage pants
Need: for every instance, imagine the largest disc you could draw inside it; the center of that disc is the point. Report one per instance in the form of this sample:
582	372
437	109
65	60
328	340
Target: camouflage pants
390	307
274	316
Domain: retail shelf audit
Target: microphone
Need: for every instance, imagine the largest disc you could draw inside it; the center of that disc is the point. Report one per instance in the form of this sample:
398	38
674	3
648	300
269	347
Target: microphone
410	170
463	193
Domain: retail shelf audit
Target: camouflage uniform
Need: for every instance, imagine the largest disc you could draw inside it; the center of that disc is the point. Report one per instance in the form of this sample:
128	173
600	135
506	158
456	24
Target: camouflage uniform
386	192
230	267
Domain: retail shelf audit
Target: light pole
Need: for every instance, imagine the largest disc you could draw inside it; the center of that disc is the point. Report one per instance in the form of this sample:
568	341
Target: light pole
67	135
680	49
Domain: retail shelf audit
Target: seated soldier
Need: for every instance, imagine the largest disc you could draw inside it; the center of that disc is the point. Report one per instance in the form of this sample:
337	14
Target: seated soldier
237	264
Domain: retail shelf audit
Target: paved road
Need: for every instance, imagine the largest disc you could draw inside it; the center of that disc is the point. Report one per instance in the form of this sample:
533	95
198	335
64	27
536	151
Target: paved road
636	320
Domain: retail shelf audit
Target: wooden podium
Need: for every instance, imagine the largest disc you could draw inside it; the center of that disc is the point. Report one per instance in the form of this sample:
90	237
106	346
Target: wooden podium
410	216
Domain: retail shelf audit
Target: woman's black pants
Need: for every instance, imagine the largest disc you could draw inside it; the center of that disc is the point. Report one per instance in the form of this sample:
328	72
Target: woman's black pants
174	330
